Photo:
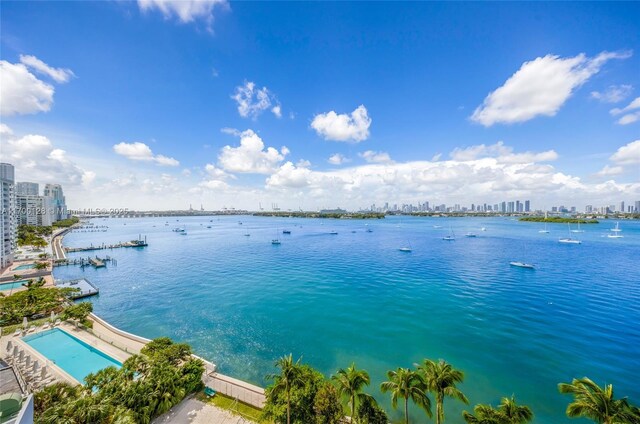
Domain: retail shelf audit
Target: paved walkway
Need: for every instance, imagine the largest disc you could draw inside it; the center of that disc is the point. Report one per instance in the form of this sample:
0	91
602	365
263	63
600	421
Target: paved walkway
194	411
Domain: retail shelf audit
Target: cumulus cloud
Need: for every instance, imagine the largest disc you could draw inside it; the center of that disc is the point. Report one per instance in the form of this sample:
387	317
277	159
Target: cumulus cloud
252	101
185	10
343	127
35	156
628	154
337	159
613	93
608	171
141	152
59	75
375	157
502	153
22	93
630	113
251	156
540	88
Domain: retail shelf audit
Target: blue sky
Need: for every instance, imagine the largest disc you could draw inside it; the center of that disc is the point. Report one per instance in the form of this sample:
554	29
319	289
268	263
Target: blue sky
397	93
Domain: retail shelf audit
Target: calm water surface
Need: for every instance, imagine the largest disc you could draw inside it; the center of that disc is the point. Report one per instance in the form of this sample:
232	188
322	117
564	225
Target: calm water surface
241	302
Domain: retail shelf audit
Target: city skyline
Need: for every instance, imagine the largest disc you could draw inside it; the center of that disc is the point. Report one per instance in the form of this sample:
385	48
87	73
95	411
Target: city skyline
243	107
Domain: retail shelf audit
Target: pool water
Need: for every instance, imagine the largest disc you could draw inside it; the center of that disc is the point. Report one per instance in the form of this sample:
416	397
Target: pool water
25	266
74	356
12	285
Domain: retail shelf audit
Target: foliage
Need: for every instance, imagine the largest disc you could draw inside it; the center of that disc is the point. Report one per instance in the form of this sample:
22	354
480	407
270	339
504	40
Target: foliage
142	389
330	215
507	413
441	379
327	407
370	413
230	404
164	349
64	223
33	301
407	384
291	396
41	265
33	235
79	311
598	404
558	220
350	384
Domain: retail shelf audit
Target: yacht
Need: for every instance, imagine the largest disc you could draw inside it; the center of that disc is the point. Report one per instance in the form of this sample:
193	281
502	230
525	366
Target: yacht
569	240
405	249
275	241
286	231
470	235
369	230
450	237
545	231
615	232
333	233
578	230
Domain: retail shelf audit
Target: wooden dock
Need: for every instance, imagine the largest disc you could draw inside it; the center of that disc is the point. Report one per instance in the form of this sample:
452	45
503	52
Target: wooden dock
133	243
97	262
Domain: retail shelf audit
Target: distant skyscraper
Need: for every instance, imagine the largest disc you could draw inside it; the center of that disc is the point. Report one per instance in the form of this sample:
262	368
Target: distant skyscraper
637	210
622	206
527	206
27	189
588	209
35	210
57	200
8	217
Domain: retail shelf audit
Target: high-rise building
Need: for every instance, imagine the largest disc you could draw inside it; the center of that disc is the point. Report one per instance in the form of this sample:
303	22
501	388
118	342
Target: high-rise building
8	219
527	206
57	200
27	189
35	210
511	207
622	206
637	209
588	209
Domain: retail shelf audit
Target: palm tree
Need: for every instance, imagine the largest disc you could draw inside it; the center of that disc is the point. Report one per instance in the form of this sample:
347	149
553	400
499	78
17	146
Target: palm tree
509	412
405	383
289	376
514	413
484	414
350	384
441	378
593	402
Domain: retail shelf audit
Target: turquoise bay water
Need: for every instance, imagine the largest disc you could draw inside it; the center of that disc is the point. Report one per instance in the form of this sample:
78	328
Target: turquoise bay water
74	356
353	297
24	266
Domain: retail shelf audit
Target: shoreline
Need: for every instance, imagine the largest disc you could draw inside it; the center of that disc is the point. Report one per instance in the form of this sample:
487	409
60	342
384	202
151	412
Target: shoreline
243	391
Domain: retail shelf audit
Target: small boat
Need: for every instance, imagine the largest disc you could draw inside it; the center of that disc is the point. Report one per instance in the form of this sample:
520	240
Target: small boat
179	230
208	226
333	233
239	222
616	231
470	235
483	229
522	265
353	231
545	231
437	226
275	241
450	237
286	231
569	240
578	230
369	230
405	249
247	235
183	233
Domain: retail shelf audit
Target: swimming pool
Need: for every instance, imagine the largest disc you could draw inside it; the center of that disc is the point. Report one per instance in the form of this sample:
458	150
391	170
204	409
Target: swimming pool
12	285
74	356
24	266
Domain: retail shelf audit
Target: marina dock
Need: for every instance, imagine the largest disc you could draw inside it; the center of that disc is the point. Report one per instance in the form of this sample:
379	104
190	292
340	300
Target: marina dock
85	286
133	243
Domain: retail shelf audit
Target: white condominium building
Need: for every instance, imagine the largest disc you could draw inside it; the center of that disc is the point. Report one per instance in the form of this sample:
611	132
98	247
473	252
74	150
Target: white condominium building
8	219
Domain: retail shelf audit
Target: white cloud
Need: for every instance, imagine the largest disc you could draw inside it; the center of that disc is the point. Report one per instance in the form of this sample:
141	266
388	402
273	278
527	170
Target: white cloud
253	101
630	113
375	157
337	159
141	152
343	127
35	156
59	75
502	153
185	10
608	171
628	154
22	93
251	156
540	88
290	175
613	93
